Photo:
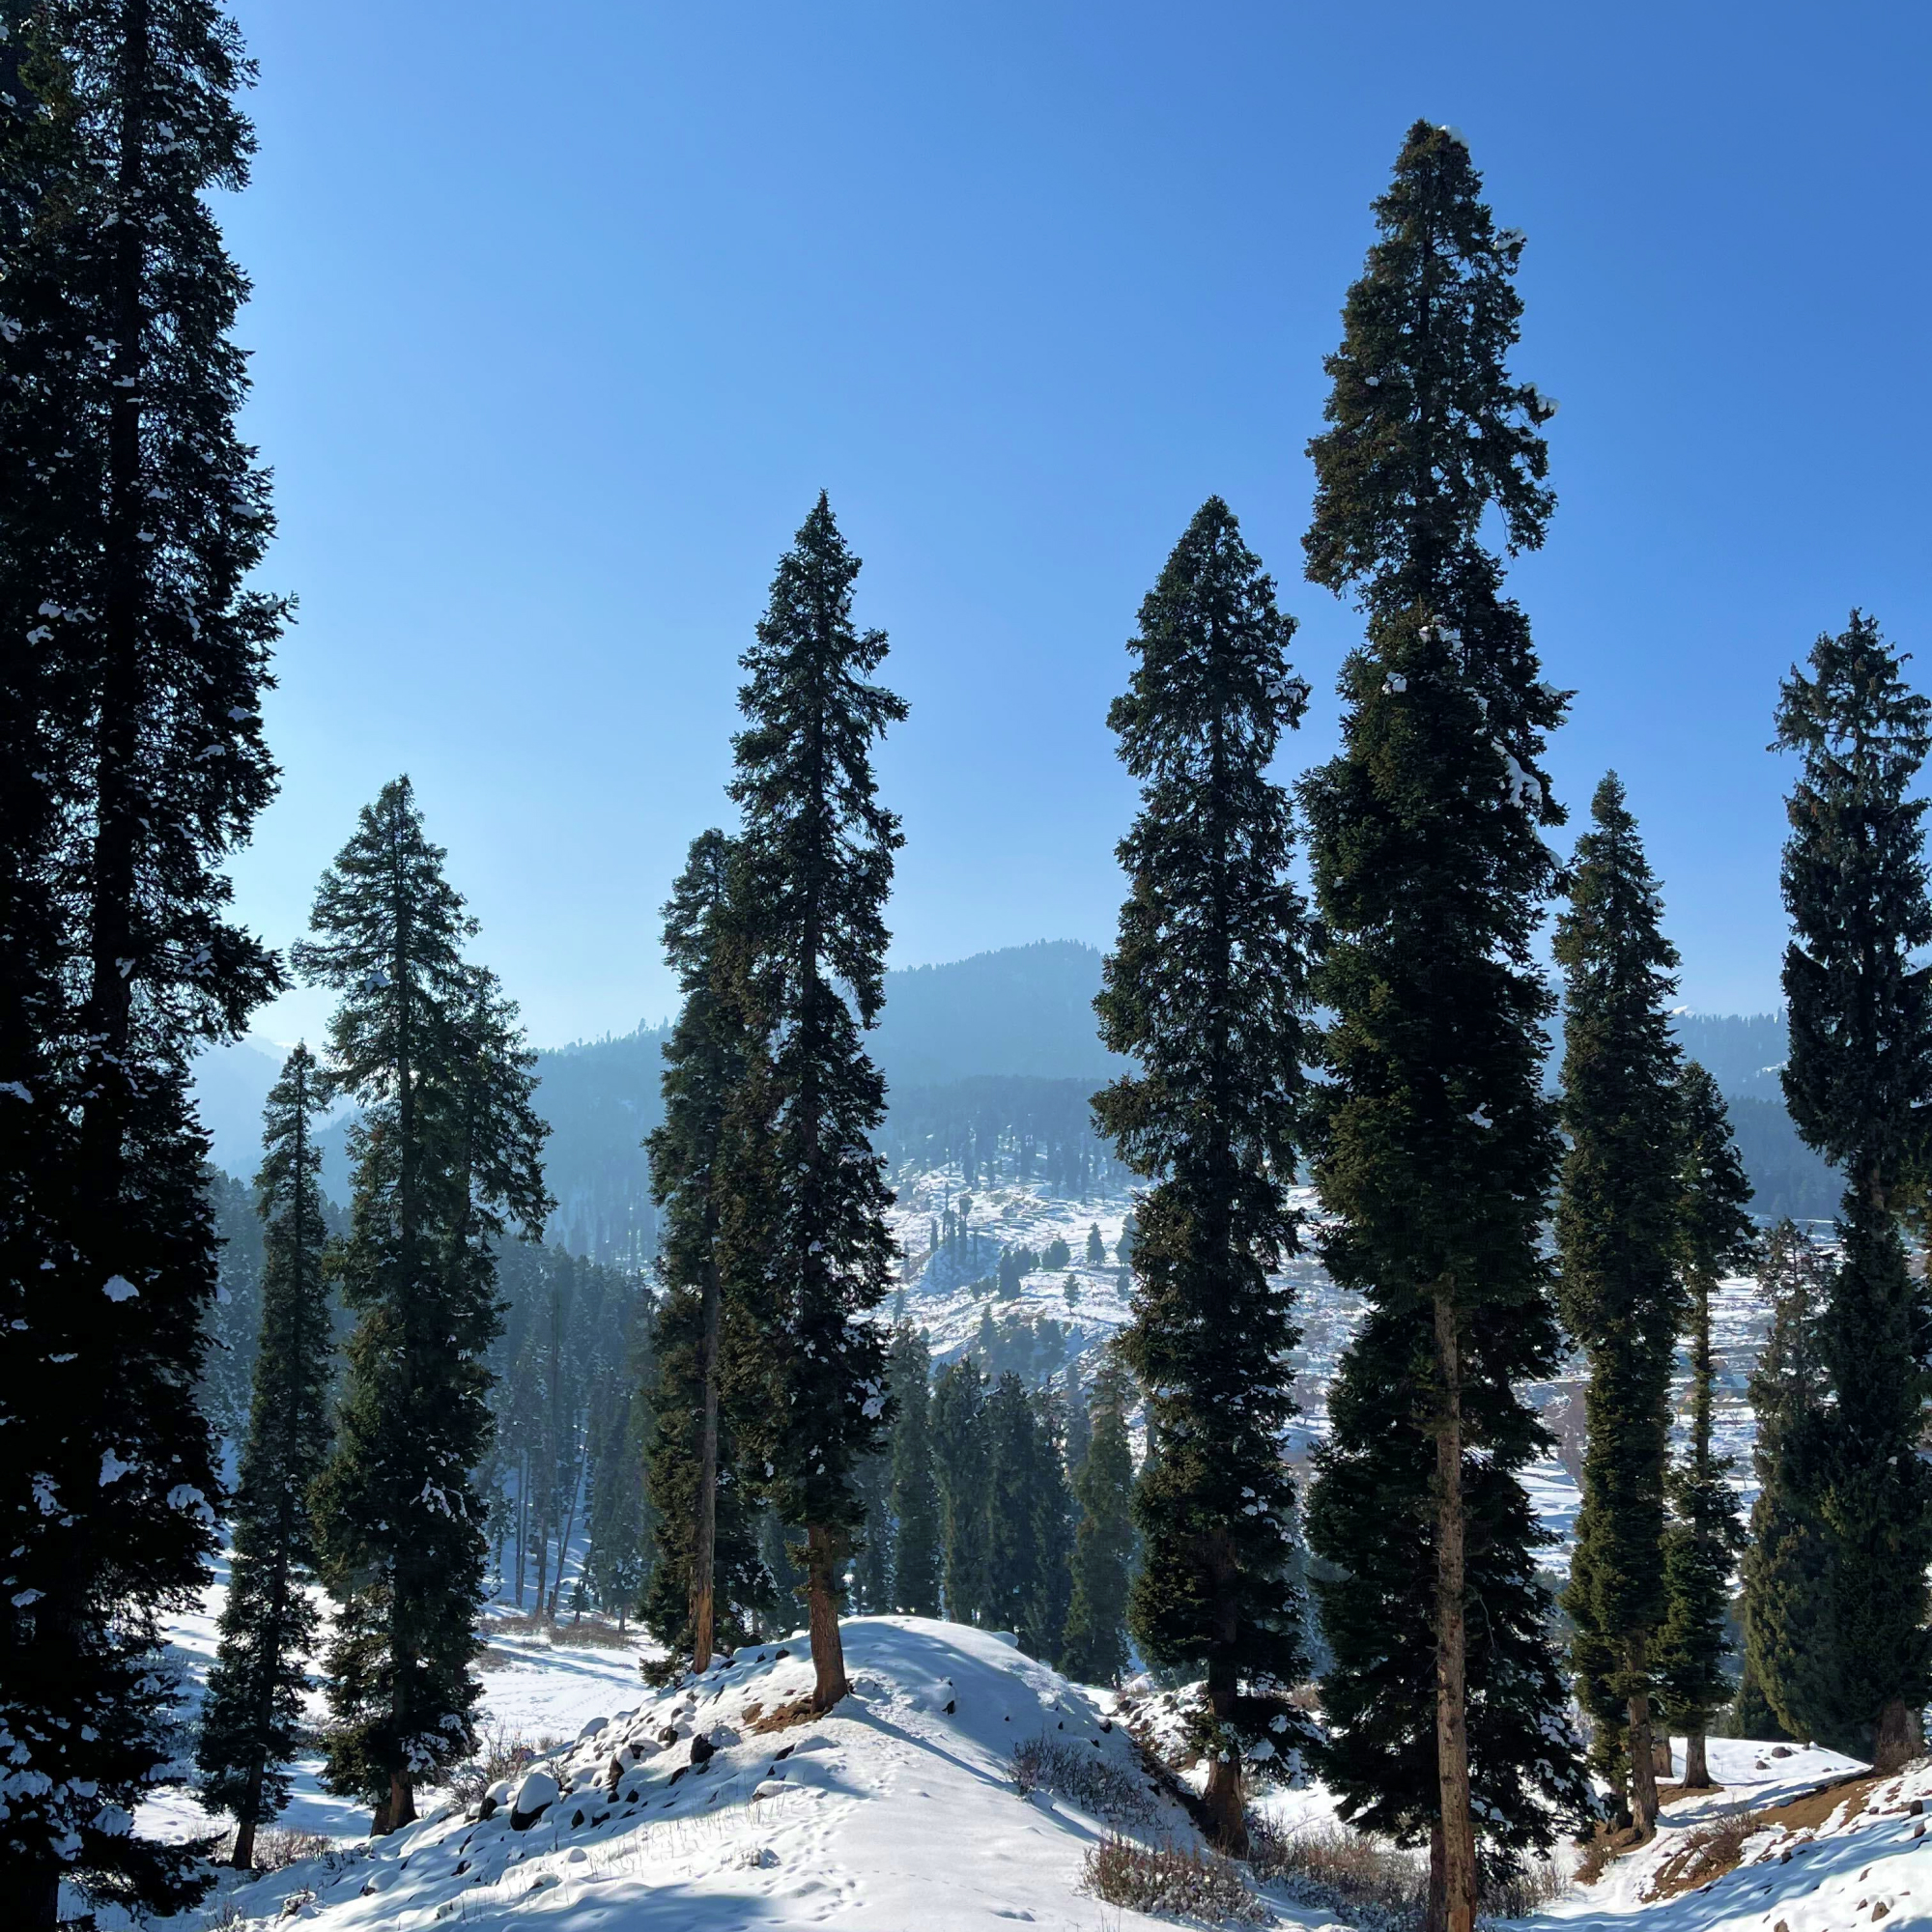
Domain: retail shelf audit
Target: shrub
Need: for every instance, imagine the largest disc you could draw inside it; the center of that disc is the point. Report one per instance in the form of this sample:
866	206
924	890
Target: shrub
1377	1886
1190	1883
275	1850
1084	1778
503	1755
1707	1853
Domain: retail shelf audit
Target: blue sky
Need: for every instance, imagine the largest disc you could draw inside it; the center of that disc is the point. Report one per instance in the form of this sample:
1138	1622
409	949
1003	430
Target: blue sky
563	314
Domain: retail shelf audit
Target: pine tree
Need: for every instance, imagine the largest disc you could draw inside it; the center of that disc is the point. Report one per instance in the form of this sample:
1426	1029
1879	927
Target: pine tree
1096	1620
131	517
962	1458
446	1156
1096	1248
1790	1651
1618	1236
915	1497
871	1573
252	1717
1028	1521
1207	989
809	1227
706	1512
1857	1081
1705	1538
1437	1147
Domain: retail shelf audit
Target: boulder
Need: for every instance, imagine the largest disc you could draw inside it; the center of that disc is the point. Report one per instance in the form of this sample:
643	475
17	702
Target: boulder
535	1795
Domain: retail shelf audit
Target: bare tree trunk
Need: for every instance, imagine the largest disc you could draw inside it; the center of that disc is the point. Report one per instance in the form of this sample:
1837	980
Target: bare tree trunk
704	1551
1898	1736
523	1521
1643	1762
1452	1739
1436	1913
397	1809
1696	1774
242	1856
821	1586
1222	1800
564	1535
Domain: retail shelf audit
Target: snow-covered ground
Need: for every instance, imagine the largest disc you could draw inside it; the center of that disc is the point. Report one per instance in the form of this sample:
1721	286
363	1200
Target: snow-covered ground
898	1812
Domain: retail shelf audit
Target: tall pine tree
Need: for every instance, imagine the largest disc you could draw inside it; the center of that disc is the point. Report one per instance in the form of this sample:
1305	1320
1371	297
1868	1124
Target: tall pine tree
962	1458
1095	1650
1206	989
915	1497
1617	1233
1857	1081
707	1535
252	1719
808	1230
1438	1148
1790	1652
446	1156
131	518
1704	1539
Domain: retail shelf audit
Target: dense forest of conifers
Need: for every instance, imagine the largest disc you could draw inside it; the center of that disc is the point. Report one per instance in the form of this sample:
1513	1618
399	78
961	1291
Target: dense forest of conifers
730	1432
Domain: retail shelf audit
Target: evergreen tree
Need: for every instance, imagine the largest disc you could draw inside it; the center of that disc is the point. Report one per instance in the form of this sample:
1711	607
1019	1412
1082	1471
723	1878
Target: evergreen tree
131	517
1705	1538
1437	1147
1857	1081
962	1460
707	1530
1617	1233
446	1156
872	1575
1095	1650
807	1229
1029	1523
615	1567
1206	989
1096	1248
1790	1648
252	1720
915	1497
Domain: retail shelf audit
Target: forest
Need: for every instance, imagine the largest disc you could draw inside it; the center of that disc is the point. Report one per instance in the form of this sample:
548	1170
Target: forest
630	1333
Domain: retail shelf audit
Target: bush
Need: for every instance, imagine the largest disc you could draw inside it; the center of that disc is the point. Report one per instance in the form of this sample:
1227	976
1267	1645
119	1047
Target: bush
1083	1777
1329	1865
1707	1853
275	1850
504	1755
1184	1884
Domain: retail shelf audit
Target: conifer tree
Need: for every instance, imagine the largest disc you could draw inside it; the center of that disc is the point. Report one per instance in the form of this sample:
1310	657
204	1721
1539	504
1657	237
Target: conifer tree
1029	1528
1207	989
1438	1148
252	1717
131	517
1618	1236
1095	1650
915	1495
446	1157
1857	1081
1790	1649
706	1527
962	1458
807	1229
1705	1538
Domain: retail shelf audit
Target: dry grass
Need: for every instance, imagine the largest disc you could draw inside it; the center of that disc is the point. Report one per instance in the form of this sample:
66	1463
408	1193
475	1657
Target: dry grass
588	1632
276	1850
1344	1871
1705	1853
503	1755
1599	1852
1191	1884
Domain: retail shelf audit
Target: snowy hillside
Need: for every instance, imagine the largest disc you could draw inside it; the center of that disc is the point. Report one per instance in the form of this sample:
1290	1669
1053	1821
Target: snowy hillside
950	1291
712	1804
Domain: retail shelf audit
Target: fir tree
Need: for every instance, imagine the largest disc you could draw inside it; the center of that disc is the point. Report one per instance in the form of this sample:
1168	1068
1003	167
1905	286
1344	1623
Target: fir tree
1096	1248
915	1497
131	517
1857	1081
1028	1523
1705	1538
615	1567
1207	989
962	1460
1790	1660
871	1573
705	1512
809	1227
1617	1233
1095	1650
252	1717
1437	1146
446	1155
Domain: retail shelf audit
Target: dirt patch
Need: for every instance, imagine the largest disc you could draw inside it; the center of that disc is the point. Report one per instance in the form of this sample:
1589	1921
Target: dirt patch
1711	1850
1809	1812
1670	1794
785	1717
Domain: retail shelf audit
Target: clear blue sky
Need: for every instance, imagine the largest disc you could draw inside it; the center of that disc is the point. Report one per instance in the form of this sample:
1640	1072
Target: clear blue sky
563	314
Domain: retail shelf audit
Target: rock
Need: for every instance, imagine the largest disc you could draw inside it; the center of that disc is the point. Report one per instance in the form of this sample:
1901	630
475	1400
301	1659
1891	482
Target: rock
769	1787
1780	1751
498	1793
1916	1809
1880	1910
667	1736
591	1729
535	1795
777	1654
702	1751
952	1705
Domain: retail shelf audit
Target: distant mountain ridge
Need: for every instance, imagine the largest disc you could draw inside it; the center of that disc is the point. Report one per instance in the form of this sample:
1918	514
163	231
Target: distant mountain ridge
1005	1037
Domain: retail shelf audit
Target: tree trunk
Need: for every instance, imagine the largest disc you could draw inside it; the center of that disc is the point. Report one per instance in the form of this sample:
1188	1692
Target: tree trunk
704	1550
1227	1815
397	1809
1452	1739
821	1588
1696	1774
1435	1912
30	1897
1643	1766
1898	1738
242	1856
